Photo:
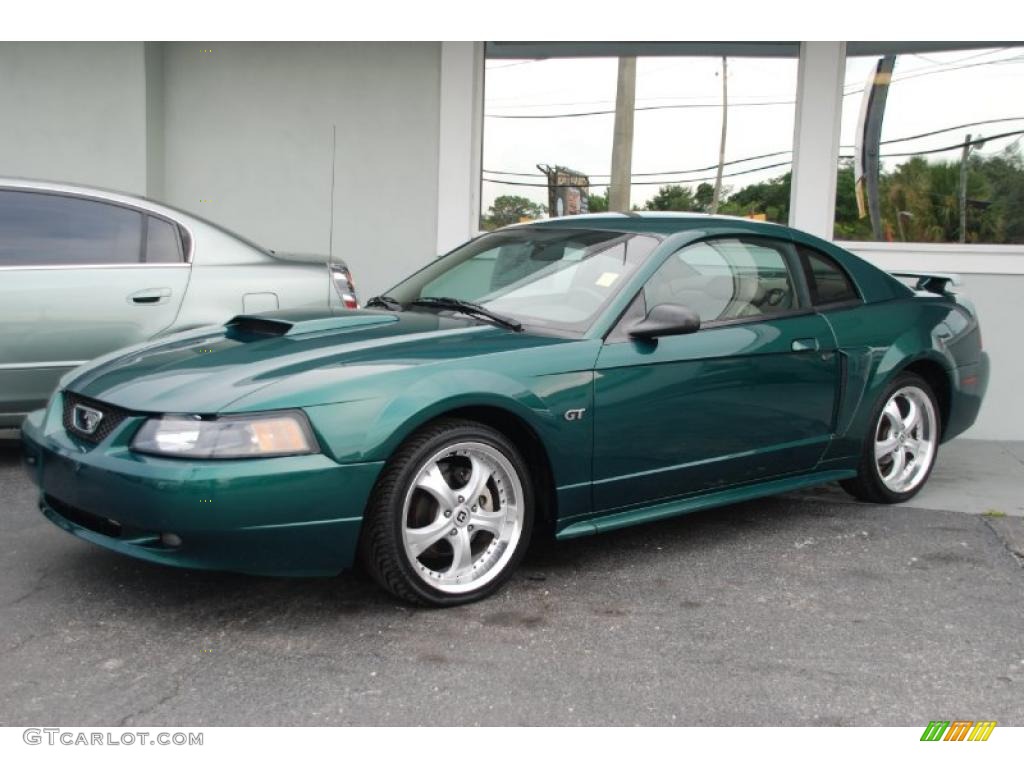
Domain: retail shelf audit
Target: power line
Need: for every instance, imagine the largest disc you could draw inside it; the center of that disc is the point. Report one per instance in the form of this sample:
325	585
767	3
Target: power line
782	152
853	90
769	167
638	109
664	181
979	140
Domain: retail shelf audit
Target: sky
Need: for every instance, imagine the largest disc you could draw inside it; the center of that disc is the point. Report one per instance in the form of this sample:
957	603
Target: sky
928	92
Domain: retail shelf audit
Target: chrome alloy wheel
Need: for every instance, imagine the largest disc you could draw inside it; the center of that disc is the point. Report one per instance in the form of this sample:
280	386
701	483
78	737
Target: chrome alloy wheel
462	517
906	439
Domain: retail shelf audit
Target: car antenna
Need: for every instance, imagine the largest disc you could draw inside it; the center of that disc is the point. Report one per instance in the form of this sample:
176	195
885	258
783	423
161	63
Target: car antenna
334	173
330	227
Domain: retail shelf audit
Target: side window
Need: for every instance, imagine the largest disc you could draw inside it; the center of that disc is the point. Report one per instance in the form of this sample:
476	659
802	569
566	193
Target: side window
39	229
163	245
726	279
826	280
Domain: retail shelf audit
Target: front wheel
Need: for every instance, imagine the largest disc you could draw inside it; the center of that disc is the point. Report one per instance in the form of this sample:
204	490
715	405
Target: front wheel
900	450
451	515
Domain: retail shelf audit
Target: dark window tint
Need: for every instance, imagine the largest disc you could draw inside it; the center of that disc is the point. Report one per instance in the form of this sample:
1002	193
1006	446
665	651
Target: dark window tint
163	246
826	279
39	229
725	279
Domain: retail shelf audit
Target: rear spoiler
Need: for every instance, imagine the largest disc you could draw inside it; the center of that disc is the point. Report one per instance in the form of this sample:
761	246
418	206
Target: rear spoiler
933	282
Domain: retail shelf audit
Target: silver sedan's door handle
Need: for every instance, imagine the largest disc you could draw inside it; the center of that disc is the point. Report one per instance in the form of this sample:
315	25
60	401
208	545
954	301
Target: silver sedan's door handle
804	345
151	296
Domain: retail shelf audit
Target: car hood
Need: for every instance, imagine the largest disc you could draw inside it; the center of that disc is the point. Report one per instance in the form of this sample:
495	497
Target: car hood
314	353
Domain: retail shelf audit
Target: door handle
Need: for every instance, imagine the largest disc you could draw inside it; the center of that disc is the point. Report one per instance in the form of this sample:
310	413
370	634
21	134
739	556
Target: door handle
151	296
804	345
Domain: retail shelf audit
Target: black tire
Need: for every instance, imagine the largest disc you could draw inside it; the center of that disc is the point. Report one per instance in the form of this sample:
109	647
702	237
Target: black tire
868	484
381	548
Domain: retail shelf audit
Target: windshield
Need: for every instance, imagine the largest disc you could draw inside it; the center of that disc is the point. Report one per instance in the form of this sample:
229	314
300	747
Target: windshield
551	278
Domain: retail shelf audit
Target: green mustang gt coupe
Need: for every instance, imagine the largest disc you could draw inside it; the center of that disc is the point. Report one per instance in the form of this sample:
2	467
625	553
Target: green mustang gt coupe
569	377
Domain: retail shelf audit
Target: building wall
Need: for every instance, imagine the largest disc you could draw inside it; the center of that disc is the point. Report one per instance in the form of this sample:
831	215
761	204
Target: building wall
74	112
248	143
242	133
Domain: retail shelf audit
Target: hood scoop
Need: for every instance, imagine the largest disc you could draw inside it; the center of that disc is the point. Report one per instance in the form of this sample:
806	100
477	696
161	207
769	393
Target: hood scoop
253	327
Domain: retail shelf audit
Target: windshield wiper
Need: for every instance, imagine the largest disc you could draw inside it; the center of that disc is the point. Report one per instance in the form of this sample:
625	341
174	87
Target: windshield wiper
384	301
468	308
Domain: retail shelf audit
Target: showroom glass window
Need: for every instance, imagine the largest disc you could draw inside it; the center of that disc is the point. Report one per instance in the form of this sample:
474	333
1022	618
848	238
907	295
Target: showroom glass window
558	113
943	111
39	229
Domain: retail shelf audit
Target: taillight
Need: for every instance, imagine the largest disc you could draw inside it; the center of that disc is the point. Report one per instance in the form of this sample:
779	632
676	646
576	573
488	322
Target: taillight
344	285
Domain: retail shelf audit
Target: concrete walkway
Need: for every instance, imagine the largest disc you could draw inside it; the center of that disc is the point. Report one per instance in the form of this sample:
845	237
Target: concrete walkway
979	477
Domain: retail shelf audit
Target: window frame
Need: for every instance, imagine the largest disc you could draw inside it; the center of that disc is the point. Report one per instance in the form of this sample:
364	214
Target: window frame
186	239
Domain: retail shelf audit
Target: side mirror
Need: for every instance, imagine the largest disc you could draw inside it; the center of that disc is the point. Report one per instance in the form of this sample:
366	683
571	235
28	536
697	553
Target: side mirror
666	320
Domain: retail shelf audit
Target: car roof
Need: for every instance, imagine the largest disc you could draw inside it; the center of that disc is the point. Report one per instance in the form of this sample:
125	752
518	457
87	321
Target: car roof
874	284
657	222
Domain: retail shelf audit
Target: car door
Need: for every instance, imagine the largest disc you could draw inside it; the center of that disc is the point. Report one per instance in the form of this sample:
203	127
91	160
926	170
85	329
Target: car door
749	396
79	277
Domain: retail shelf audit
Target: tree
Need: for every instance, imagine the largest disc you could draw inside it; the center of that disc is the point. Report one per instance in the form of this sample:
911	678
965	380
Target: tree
769	197
672	197
705	194
511	209
848	224
597	203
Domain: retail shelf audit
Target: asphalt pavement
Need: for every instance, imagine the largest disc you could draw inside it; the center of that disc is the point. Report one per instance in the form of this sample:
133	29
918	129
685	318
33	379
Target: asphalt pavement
798	610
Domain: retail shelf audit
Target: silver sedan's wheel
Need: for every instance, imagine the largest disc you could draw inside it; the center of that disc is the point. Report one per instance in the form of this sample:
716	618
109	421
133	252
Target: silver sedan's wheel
462	517
906	439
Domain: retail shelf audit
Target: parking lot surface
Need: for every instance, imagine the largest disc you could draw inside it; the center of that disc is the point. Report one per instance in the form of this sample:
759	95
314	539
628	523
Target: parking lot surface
798	610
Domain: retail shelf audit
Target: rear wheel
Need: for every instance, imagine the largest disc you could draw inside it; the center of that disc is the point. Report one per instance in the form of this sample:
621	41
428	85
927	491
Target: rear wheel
899	452
451	515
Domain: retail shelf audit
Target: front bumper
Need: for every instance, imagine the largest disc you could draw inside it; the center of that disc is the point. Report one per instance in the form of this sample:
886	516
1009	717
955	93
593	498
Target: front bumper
289	516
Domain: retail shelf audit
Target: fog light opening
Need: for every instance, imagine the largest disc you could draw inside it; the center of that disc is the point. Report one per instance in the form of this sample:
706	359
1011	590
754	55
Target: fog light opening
170	540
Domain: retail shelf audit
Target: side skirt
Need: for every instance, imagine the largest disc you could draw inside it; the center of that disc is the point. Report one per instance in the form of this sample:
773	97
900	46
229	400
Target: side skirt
683	506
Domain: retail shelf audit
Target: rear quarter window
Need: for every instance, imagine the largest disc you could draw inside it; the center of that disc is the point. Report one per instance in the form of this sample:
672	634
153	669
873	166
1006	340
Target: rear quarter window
163	242
826	280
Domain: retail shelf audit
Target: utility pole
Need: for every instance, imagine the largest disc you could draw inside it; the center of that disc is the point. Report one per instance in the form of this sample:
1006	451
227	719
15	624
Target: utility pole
622	140
721	147
963	188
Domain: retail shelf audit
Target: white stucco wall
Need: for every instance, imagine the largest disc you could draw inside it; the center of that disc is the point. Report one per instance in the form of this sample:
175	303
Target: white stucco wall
74	112
248	130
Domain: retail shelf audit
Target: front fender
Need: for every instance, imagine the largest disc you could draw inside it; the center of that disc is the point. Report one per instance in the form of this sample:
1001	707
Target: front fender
372	426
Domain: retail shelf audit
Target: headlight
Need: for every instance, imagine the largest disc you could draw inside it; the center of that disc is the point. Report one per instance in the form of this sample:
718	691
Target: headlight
283	433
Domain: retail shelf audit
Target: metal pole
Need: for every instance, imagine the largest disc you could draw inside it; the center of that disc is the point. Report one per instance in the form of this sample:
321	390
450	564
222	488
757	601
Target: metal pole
716	197
622	140
963	188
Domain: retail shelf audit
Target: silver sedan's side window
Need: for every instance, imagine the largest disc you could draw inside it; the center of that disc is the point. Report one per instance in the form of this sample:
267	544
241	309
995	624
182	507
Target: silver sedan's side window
39	229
